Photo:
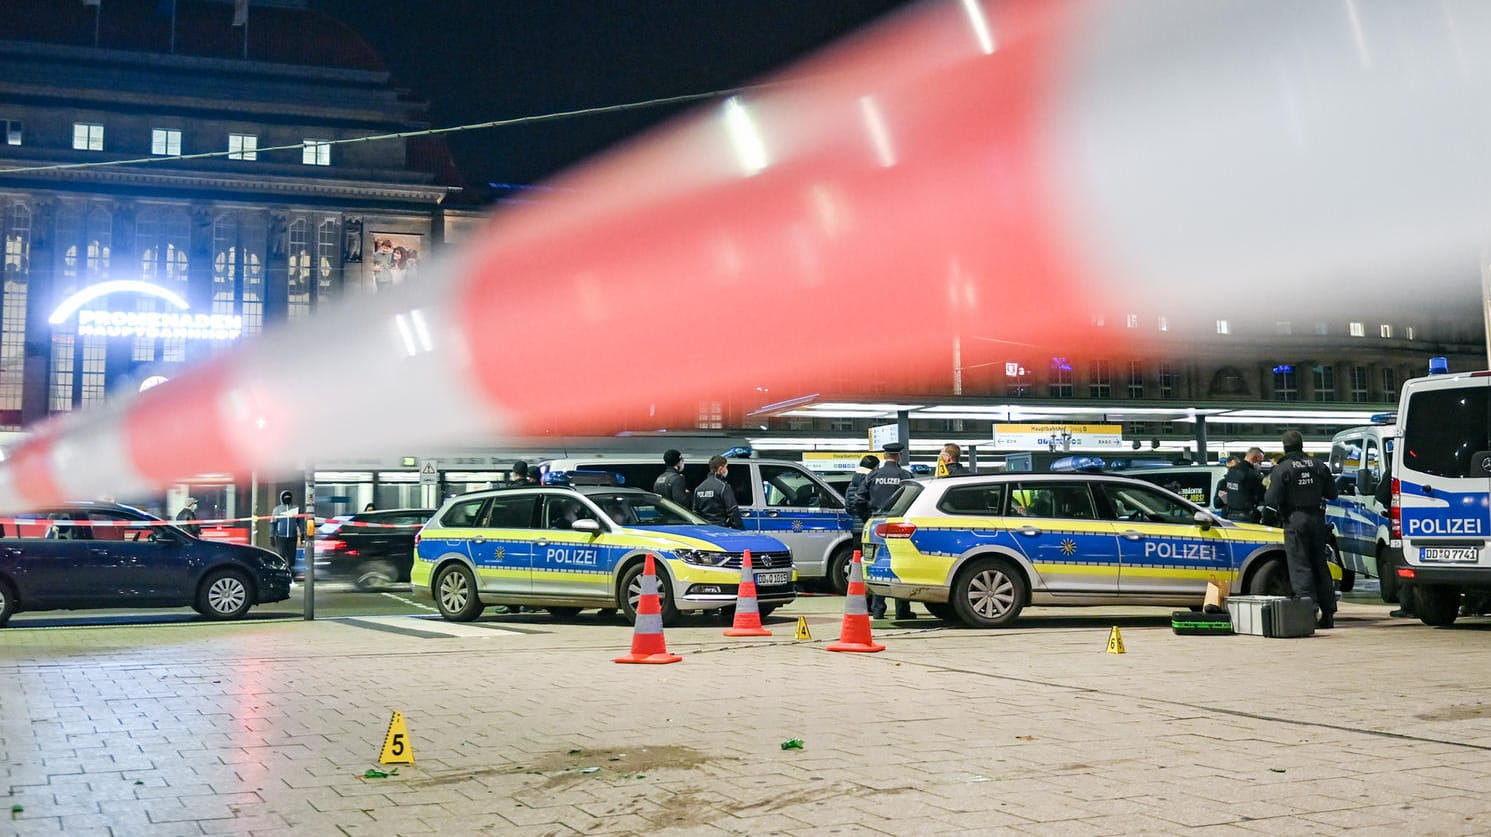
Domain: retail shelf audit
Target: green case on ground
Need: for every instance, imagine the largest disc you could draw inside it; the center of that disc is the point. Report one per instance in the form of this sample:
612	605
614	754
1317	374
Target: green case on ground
1195	623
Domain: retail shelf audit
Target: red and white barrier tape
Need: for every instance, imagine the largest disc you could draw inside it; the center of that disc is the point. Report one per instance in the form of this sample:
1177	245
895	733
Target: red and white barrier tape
1000	169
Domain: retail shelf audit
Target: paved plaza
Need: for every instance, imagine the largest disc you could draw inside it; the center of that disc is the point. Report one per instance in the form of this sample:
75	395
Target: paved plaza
522	725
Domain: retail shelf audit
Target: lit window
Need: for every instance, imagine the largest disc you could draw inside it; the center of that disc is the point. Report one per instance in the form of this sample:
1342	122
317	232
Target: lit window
1223	327
12	132
1408	333
87	136
1164	323
165	142
1099	320
1322	329
243	147
315	153
1283	327
1385	330
1132	321
1358	330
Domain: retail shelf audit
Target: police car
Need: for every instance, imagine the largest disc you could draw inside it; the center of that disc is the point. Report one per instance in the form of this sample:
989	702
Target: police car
577	547
977	550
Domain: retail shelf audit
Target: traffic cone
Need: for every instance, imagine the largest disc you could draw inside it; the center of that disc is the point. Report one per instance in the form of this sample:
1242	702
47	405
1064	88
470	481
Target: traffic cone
747	613
855	635
647	636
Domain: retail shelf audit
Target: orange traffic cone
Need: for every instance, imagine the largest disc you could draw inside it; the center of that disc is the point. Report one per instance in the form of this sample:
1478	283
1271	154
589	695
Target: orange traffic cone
855	635
747	613
647	636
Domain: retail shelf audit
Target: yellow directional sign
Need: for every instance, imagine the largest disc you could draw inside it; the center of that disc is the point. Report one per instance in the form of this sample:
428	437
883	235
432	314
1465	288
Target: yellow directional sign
802	628
1115	641
396	746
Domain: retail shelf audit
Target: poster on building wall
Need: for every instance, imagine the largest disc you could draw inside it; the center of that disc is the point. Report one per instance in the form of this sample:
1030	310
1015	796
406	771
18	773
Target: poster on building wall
395	260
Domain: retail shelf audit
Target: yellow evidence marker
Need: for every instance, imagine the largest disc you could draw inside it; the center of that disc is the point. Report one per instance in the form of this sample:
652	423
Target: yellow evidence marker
802	628
1115	641
396	746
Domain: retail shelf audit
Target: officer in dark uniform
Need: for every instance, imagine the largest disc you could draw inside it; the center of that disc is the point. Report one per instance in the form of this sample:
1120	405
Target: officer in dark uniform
1298	488
874	498
670	482
1244	487
714	499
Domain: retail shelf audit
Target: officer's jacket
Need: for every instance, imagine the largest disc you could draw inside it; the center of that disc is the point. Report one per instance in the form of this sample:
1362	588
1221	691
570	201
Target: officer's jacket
882	483
1244	487
670	484
1300	483
714	500
854	495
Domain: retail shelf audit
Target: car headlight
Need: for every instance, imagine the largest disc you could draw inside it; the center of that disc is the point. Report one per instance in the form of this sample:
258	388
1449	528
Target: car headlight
701	557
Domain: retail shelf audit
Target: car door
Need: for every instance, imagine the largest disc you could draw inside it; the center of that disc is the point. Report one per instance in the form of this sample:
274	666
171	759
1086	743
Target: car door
501	548
1164	551
800	512
567	563
148	565
45	561
1056	526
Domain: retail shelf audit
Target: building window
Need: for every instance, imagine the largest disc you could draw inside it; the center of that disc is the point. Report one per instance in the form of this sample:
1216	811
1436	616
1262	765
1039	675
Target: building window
1408	333
1322	329
298	289
1061	378
1358	330
1386	331
1359	394
1389	384
243	147
1167	380
1136	379
87	136
1325	382
1286	385
13	313
328	259
165	142
95	355
1283	327
1223	327
1099	320
1163	323
841	425
1132	321
12	132
1017	379
711	416
163	238
238	243
1100	385
314	152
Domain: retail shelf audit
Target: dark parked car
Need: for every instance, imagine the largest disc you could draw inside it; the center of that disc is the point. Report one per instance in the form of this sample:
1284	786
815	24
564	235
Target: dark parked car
97	555
373	549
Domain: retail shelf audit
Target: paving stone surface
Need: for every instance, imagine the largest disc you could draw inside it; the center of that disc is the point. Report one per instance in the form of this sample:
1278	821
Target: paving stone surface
267	727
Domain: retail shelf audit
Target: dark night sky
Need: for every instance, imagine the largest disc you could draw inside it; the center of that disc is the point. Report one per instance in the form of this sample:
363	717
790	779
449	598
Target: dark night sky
477	60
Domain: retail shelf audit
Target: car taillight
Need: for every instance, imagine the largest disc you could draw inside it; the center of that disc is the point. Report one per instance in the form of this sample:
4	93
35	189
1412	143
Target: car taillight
895	530
330	545
417	536
1395	514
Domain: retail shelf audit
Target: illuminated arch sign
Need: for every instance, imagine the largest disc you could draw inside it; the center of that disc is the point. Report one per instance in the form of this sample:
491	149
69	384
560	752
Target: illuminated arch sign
151	324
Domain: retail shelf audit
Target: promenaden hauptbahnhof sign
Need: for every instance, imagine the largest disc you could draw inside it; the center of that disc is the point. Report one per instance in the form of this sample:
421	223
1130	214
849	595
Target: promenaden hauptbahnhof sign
152	324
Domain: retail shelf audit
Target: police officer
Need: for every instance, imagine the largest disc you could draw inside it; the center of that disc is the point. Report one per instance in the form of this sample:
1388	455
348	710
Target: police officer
854	494
1298	488
873	499
950	461
670	482
714	499
284	528
1244	488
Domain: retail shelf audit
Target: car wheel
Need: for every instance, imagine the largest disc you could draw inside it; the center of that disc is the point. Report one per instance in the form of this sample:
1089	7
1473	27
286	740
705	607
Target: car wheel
1348	580
988	593
455	593
1387	576
1271	579
563	612
943	611
7	602
224	594
631	583
1438	604
838	570
376	576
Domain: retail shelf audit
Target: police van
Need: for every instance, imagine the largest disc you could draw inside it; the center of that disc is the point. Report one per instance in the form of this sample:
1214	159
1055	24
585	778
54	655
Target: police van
1441	494
1360	459
778	498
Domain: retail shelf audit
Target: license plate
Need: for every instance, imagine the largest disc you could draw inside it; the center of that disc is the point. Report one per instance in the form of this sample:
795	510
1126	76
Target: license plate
773	579
1452	554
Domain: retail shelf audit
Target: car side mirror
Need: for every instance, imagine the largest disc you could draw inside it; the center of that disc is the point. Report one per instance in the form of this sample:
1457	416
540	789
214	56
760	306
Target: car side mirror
1203	520
590	527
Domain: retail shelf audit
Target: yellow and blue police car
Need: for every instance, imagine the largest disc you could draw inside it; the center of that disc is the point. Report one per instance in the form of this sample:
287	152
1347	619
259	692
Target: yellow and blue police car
977	550
570	548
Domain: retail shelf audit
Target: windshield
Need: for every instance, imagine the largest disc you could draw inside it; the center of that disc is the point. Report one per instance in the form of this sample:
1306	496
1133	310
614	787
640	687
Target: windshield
639	509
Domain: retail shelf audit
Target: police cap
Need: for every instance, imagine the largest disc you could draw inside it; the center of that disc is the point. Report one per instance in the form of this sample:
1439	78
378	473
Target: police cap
893	447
